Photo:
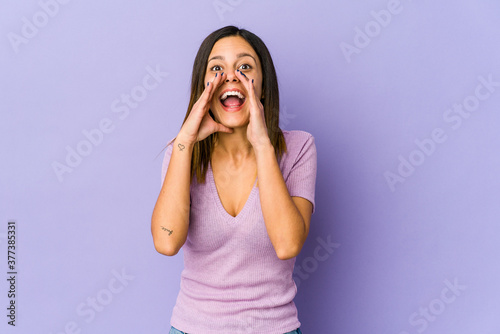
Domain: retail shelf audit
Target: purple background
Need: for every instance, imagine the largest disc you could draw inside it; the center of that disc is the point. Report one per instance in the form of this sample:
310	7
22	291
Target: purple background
397	250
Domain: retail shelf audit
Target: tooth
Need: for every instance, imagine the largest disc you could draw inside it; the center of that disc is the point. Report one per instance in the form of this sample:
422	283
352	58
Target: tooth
232	93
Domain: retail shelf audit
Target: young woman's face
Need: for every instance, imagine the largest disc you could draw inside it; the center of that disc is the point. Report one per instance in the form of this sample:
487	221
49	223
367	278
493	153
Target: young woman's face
228	55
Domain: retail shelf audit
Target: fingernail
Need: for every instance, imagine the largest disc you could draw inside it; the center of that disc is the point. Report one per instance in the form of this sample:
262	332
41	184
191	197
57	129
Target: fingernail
216	74
208	83
222	74
252	80
243	74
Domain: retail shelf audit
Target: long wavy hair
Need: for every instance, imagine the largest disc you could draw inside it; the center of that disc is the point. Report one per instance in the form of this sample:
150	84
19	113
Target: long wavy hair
202	150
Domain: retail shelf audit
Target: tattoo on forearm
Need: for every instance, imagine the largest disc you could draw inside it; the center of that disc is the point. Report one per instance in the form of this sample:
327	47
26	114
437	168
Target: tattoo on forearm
166	229
181	147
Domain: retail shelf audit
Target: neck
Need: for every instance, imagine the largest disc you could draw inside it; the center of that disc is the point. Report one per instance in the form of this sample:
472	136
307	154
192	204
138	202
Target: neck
234	146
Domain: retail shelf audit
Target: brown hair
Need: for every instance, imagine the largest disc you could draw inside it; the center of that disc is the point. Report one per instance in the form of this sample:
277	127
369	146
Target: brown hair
202	150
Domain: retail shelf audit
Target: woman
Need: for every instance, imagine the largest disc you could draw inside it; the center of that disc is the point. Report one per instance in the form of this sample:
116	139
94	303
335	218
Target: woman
237	193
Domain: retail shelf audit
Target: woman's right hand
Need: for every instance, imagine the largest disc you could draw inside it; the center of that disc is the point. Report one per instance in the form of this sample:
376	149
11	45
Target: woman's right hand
199	124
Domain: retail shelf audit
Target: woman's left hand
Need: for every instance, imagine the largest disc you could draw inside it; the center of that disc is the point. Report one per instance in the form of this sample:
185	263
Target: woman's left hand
257	130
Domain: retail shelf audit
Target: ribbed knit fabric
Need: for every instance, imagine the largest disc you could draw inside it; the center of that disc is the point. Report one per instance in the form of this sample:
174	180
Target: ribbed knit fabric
233	281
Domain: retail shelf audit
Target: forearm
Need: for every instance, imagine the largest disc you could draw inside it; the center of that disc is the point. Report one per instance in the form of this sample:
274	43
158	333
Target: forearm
284	223
170	219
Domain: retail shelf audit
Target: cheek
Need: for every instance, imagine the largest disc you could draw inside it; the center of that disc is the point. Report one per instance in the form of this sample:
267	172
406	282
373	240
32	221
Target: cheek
259	92
214	103
259	87
208	77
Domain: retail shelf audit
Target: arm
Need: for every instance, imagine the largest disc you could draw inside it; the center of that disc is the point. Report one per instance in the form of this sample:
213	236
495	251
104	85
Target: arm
287	218
170	220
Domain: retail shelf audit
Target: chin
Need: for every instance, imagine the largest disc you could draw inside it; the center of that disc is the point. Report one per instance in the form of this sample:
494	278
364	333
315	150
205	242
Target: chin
234	123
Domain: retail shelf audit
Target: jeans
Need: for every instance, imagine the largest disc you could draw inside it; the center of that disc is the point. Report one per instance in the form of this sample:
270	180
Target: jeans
174	330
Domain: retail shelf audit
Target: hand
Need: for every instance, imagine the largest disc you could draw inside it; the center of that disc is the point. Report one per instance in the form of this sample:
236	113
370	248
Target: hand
257	130
199	124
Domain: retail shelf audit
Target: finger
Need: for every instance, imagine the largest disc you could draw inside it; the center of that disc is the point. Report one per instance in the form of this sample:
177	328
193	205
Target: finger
243	78
249	85
203	103
216	82
209	88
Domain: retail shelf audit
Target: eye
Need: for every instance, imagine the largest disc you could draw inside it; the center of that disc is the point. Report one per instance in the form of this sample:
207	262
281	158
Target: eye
215	68
245	67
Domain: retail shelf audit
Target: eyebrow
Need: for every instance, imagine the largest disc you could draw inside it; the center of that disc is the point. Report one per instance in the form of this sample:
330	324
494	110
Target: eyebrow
239	55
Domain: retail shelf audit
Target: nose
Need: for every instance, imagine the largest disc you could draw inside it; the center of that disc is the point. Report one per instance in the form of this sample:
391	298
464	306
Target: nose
231	77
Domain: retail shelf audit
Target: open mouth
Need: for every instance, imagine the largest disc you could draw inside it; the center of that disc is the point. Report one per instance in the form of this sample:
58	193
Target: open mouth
232	100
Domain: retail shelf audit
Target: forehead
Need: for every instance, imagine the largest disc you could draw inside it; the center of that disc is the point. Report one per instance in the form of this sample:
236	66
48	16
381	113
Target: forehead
232	46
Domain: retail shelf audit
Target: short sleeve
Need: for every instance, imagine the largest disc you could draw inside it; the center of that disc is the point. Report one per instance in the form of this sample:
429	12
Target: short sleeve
166	160
301	180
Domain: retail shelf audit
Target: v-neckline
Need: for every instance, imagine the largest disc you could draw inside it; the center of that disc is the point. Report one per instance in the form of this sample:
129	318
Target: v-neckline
218	201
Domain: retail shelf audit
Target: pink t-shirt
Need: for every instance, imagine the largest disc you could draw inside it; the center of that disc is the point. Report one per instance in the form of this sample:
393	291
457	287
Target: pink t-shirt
233	281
